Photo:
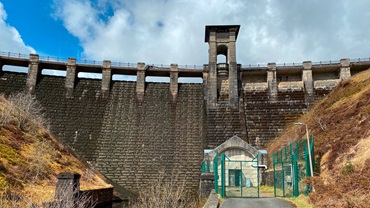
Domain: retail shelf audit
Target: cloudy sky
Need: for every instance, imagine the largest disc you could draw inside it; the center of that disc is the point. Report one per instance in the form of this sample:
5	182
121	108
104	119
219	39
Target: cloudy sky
172	31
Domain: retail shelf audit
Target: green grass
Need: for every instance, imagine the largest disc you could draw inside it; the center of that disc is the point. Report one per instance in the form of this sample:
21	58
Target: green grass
267	188
301	201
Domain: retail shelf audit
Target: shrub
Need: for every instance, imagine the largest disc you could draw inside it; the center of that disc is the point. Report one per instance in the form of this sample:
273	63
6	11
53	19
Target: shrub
24	111
165	193
348	169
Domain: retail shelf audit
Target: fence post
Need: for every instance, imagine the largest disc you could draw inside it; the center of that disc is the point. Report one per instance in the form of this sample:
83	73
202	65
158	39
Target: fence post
285	152
313	151
281	155
273	163
295	176
308	173
223	175
215	172
203	167
258	177
297	146
282	178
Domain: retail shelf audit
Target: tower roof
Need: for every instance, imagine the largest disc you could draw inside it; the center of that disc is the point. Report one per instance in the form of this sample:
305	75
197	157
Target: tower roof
221	28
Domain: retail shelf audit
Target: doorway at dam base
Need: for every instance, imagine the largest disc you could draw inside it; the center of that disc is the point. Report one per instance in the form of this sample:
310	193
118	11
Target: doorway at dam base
238	178
235	167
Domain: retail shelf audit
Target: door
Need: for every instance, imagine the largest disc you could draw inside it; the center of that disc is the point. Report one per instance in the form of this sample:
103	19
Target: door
235	177
238	175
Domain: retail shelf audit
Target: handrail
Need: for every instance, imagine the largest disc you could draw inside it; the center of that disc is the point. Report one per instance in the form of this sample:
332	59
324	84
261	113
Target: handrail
53	59
360	60
326	62
159	66
162	66
190	67
254	66
89	62
290	64
14	55
120	64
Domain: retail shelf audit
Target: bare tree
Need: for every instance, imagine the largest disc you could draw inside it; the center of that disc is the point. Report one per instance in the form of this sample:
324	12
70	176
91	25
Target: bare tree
165	193
24	111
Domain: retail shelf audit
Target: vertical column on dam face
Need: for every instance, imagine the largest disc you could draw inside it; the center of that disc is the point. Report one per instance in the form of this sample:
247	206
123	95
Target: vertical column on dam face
140	81
308	83
345	70
174	86
205	81
106	78
70	77
212	74
233	71
271	80
33	72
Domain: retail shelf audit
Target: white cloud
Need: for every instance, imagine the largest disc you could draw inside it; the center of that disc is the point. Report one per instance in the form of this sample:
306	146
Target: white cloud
172	31
11	40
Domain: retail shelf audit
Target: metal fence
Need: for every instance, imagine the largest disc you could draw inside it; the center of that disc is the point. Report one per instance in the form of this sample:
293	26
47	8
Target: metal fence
239	178
289	64
15	55
53	59
198	67
121	64
291	165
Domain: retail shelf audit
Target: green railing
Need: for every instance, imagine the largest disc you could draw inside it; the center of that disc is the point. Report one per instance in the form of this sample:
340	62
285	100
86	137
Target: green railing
206	167
238	178
234	178
291	165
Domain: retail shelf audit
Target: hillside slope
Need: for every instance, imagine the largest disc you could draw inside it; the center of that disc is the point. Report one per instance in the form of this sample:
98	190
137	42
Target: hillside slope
30	158
341	126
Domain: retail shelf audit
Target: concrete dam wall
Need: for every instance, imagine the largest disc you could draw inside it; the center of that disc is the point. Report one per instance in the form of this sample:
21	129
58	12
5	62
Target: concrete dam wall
129	141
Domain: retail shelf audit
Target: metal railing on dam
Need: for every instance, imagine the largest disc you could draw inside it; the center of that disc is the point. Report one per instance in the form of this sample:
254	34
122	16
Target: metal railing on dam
97	63
248	67
93	66
166	67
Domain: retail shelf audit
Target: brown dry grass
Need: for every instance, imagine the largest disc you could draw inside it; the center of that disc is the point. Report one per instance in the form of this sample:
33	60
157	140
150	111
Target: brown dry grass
166	192
341	125
30	159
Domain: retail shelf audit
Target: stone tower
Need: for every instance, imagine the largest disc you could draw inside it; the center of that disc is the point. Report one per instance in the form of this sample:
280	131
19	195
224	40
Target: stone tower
221	40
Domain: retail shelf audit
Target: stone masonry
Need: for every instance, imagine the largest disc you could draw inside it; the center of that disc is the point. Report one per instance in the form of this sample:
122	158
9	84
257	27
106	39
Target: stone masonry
129	140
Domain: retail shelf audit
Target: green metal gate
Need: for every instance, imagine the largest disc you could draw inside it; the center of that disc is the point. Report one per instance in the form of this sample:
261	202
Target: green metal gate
236	178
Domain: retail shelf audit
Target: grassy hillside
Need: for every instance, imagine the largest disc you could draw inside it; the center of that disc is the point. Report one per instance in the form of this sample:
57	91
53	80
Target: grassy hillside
341	125
30	158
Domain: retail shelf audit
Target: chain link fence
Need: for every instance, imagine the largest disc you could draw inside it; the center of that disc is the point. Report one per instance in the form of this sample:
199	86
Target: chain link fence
291	165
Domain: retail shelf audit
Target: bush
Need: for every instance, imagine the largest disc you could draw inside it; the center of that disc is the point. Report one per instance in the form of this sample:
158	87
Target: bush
348	169
24	111
165	193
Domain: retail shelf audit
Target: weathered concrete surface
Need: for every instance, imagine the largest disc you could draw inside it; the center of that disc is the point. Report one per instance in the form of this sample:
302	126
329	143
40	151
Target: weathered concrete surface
127	139
212	201
256	202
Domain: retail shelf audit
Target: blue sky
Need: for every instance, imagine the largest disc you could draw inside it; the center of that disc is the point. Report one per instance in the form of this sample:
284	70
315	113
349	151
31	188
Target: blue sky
39	29
172	31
